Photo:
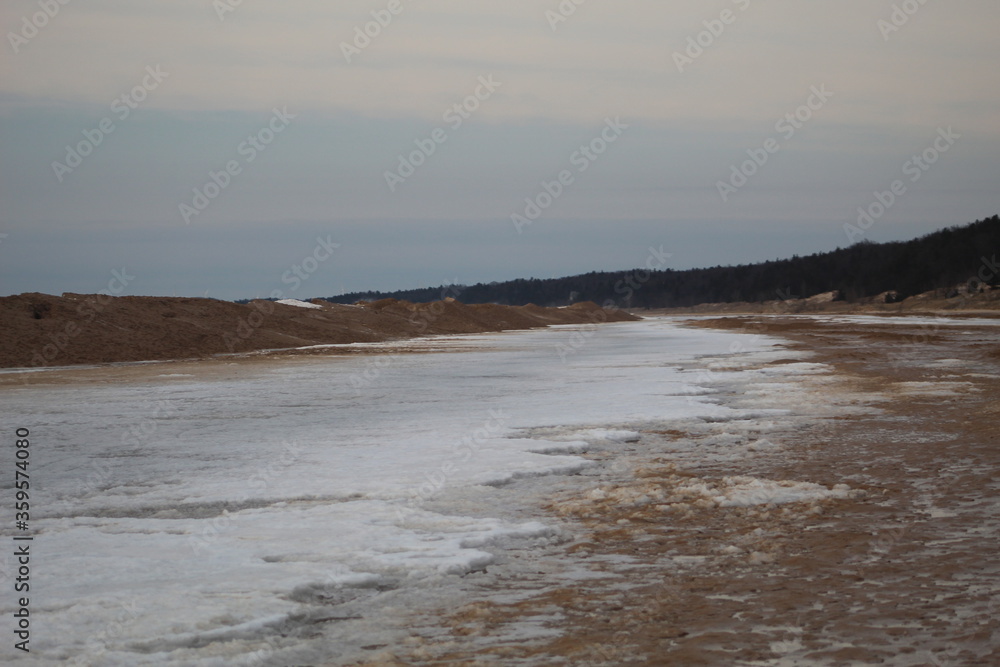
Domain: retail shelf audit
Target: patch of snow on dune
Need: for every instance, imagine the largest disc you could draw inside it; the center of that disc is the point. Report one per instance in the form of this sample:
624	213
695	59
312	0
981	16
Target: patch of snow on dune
299	304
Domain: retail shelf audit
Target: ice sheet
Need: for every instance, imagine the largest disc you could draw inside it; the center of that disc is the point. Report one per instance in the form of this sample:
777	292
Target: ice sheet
199	518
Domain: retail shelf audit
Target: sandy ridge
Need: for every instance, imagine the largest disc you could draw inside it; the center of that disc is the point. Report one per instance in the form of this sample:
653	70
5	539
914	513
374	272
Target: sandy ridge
44	330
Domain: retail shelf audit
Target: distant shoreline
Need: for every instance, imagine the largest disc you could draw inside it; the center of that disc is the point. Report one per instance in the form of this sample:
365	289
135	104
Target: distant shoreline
42	330
938	303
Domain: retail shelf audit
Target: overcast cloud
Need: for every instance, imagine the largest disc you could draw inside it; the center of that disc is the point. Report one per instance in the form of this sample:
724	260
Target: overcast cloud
246	135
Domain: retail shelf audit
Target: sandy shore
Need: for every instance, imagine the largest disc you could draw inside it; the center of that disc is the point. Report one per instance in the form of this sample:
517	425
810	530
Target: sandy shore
895	563
899	568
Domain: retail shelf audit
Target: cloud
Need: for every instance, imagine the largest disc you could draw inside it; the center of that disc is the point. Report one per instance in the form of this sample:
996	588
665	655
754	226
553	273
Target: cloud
892	91
606	58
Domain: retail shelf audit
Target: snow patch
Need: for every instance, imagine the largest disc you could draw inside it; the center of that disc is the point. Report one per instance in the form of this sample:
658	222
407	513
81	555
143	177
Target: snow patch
299	304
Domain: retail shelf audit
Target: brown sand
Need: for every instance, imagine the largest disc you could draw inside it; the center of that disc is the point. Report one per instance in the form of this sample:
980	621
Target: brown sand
902	572
45	330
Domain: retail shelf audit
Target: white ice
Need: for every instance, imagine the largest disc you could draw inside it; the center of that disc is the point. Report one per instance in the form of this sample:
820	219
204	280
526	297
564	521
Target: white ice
196	516
299	304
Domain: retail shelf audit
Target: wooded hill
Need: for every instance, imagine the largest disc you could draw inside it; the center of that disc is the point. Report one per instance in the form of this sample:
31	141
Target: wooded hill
945	259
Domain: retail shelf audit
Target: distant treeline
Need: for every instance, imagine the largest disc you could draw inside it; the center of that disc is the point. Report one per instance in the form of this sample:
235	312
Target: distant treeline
941	260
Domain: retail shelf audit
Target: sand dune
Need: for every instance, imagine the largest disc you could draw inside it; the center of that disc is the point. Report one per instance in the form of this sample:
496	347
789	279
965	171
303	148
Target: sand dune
46	330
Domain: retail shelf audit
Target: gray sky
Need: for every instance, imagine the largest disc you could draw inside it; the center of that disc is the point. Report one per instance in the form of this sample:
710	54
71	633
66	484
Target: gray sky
651	112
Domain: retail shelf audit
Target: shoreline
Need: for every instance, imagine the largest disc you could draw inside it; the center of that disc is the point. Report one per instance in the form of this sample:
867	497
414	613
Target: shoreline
227	365
946	303
839	508
77	330
900	570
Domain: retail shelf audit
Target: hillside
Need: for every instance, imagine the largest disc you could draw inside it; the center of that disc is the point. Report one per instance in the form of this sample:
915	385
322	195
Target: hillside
46	330
942	260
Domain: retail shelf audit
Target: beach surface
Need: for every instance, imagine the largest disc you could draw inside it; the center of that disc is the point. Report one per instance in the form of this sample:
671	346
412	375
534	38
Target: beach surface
683	556
747	490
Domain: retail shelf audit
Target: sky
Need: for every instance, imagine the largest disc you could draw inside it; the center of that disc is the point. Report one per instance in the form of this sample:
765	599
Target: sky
307	148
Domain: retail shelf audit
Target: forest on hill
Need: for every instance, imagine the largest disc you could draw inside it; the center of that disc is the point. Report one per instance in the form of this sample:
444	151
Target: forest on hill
945	259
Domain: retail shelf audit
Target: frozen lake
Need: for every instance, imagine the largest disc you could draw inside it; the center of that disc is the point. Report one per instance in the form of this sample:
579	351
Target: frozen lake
191	520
